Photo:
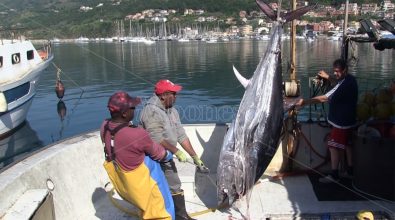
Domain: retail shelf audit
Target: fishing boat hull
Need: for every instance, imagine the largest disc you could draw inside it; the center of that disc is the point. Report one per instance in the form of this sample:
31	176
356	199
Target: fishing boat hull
19	80
67	180
18	144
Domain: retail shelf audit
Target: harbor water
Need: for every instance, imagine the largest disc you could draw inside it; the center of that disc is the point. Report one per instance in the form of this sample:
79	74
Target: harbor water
91	72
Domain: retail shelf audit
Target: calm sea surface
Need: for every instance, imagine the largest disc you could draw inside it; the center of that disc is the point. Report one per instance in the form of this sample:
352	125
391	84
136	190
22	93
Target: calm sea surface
91	72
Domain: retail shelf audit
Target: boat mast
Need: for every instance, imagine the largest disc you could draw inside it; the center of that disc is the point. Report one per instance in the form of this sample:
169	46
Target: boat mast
292	88
345	39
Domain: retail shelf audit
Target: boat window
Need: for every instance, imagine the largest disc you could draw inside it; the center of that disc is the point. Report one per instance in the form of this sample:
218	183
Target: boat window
17	92
16	58
30	55
1	61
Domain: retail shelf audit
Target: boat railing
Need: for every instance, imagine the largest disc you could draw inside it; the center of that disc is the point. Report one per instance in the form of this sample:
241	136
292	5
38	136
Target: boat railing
11	34
45	51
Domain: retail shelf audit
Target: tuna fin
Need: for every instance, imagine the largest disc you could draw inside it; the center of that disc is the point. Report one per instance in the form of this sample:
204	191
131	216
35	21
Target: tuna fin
289	16
241	78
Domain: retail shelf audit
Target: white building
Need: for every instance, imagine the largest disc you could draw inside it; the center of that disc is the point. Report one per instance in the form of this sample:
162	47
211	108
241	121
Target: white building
188	11
368	8
246	30
199	12
201	19
387	5
352	8
85	8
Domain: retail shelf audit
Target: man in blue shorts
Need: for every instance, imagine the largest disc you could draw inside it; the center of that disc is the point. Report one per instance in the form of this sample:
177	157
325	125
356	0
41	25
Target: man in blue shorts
342	101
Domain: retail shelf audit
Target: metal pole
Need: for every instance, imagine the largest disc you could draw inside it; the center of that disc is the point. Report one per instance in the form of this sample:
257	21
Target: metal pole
292	88
293	44
345	40
345	20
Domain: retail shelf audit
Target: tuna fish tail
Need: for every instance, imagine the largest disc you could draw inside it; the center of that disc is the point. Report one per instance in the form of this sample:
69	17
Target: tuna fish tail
295	14
267	9
289	16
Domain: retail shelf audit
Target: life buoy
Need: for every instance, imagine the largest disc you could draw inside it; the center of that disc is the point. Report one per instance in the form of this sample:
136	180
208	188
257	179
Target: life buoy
15	58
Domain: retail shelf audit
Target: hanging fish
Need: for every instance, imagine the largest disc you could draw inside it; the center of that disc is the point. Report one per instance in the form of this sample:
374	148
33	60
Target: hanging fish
59	89
254	135
61	107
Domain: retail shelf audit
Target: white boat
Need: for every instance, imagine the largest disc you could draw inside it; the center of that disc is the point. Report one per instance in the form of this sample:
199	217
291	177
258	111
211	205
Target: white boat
265	37
310	35
148	41
310	39
67	181
82	40
337	37
183	39
20	68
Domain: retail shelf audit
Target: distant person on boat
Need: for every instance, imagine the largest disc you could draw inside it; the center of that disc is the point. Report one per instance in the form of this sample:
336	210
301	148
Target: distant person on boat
342	116
162	121
131	160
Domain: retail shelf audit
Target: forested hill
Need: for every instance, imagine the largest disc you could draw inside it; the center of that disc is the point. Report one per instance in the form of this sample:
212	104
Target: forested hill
63	17
225	6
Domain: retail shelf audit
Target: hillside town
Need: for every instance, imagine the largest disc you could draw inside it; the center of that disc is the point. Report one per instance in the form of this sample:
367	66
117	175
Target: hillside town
247	24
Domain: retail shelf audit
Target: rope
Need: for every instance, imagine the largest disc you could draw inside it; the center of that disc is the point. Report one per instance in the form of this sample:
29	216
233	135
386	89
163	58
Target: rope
295	132
314	170
194	214
58	77
135	214
115	203
76	103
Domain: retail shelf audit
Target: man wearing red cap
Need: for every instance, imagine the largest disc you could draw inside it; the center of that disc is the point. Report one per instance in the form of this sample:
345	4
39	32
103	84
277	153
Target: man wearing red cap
131	160
163	123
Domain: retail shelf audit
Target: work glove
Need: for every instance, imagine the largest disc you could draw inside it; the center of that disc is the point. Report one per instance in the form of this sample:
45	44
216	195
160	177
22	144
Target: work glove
181	156
197	161
167	157
200	165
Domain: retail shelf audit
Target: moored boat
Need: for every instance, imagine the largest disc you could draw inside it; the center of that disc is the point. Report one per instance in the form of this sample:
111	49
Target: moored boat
20	68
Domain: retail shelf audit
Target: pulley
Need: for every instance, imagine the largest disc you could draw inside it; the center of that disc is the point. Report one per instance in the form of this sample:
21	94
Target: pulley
292	88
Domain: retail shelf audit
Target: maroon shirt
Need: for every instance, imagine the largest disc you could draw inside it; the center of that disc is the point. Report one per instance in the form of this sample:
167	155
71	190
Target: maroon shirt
131	145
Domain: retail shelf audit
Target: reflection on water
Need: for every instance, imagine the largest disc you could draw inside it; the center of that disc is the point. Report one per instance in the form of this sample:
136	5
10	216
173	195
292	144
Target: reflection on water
61	107
91	72
18	144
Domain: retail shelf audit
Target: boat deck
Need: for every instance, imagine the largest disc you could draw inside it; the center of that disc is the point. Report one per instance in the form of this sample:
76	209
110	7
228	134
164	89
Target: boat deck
292	197
80	193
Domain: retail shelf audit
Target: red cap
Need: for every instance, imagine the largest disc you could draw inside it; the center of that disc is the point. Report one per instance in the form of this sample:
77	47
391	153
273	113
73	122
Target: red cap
166	85
122	101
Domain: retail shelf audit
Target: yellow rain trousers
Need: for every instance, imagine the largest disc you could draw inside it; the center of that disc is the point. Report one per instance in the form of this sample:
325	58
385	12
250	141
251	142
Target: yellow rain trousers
145	187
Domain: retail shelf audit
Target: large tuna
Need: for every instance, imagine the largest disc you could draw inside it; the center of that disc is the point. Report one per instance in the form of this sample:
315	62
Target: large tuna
254	135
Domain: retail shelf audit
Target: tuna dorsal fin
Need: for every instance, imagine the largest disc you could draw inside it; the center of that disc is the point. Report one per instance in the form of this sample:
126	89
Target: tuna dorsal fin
289	16
241	78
